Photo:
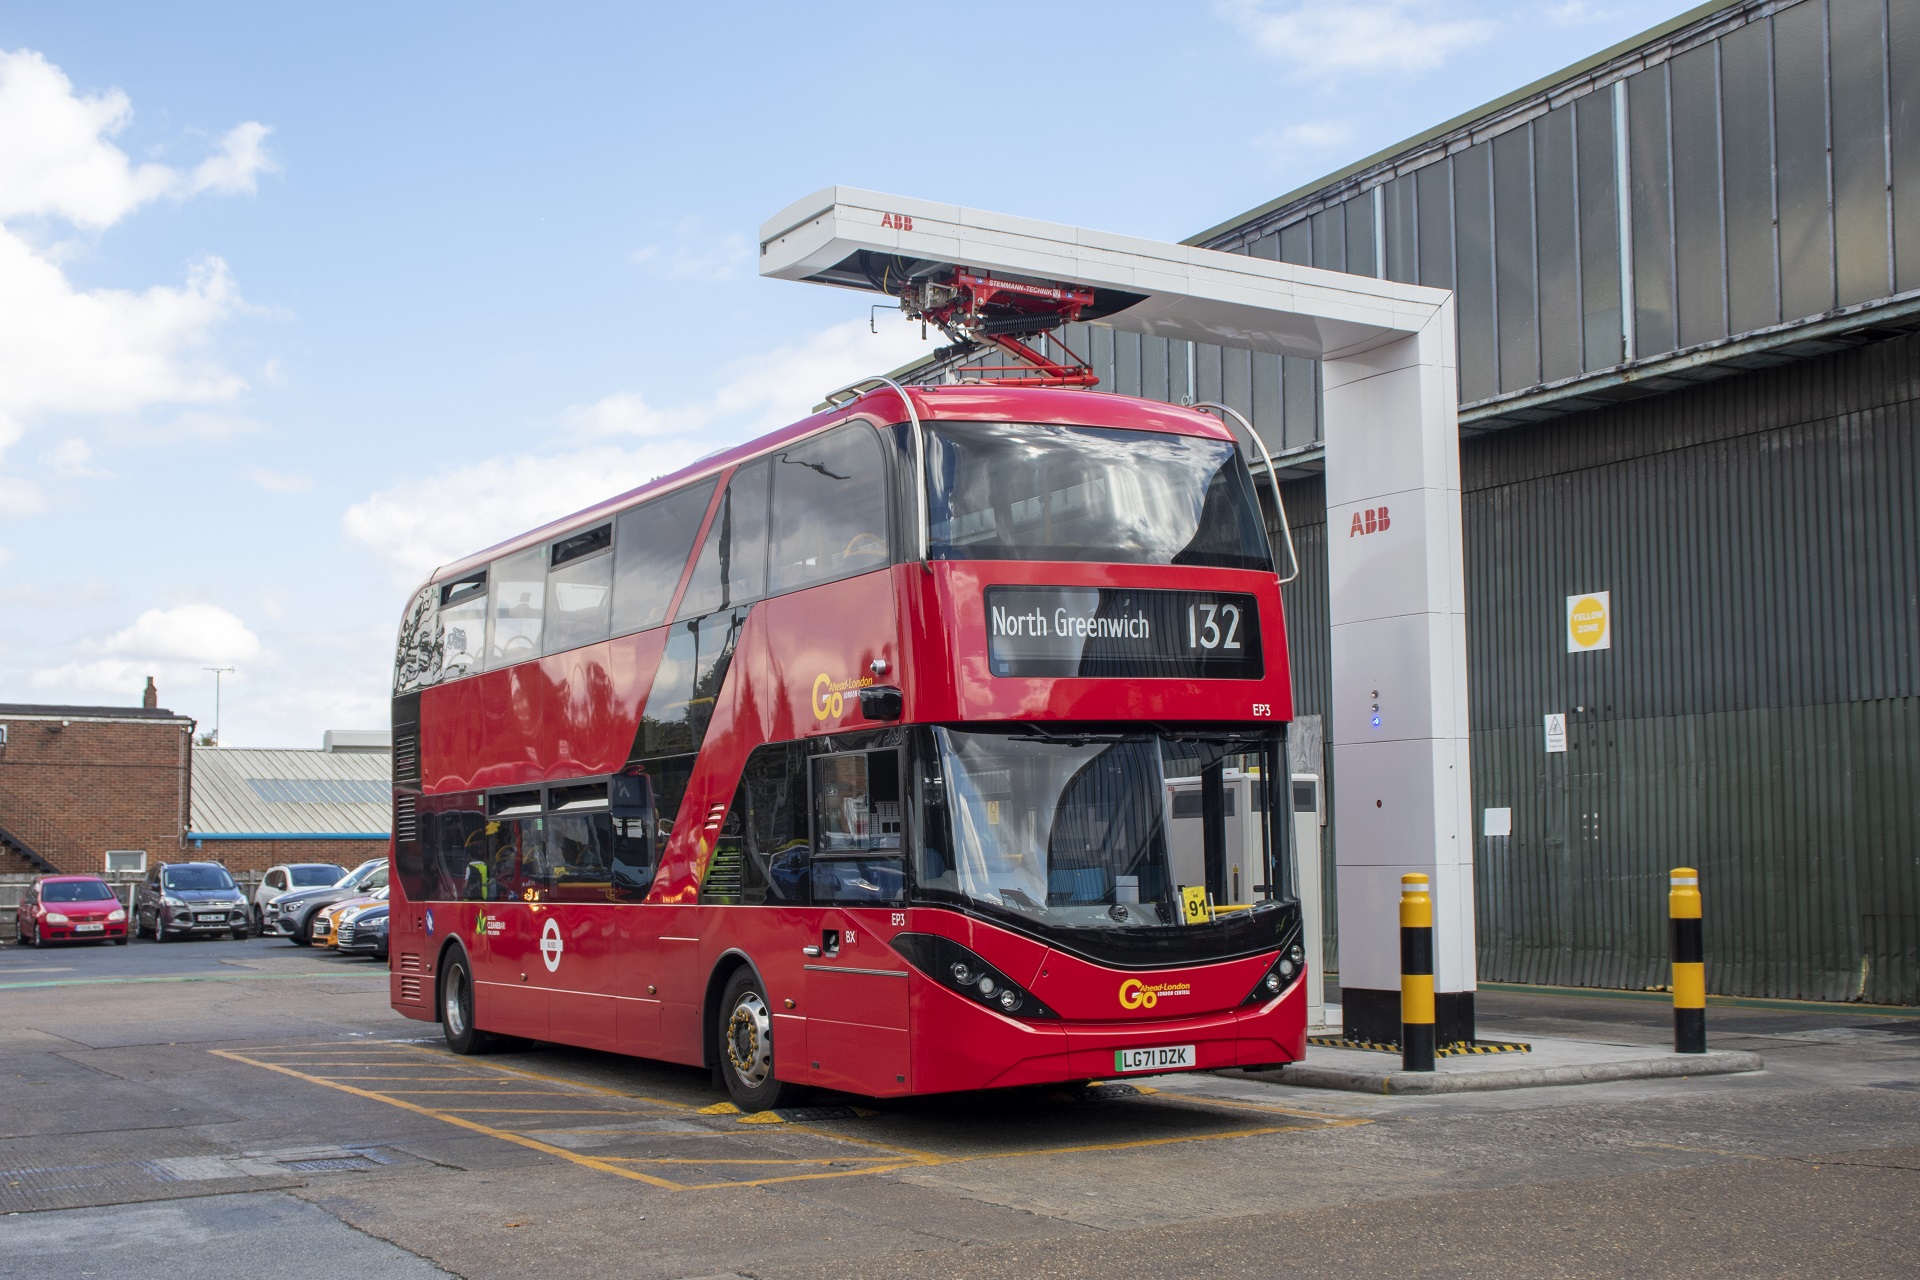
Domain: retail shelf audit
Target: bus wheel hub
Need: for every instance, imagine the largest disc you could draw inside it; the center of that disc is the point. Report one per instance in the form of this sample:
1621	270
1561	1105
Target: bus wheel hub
750	1039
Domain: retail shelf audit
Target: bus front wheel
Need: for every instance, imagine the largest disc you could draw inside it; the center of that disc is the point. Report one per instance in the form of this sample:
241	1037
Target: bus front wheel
745	1035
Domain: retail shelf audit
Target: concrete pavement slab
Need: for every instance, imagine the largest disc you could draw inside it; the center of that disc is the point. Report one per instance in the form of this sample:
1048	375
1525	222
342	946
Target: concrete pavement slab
1550	1061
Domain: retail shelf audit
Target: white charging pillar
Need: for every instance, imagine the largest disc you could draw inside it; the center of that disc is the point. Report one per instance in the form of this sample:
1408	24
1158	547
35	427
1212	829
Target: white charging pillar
1396	577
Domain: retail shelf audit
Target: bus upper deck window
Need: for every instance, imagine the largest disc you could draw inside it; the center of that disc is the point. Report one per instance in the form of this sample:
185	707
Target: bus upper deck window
579	588
463	624
732	568
519	603
651	544
829	509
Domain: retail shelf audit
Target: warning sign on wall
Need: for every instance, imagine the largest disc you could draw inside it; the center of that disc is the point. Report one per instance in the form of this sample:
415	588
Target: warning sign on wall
1589	622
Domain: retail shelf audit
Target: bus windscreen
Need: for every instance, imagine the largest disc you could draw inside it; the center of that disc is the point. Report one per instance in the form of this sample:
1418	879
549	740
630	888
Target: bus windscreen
1036	491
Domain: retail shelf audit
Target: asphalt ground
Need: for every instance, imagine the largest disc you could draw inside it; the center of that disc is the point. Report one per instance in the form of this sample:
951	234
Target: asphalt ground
222	1108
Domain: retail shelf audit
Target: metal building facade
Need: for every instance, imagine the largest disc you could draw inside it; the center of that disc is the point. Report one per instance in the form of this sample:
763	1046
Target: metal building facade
1685	271
1732	453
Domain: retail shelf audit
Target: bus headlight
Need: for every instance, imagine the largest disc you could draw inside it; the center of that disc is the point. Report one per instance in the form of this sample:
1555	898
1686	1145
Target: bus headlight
961	971
1280	975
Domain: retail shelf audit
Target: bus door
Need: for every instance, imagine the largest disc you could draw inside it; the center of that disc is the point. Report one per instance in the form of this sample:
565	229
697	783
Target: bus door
856	985
576	932
635	860
506	932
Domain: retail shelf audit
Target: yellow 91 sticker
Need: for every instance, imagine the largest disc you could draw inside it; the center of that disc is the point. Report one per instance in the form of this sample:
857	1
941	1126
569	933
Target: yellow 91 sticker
1194	899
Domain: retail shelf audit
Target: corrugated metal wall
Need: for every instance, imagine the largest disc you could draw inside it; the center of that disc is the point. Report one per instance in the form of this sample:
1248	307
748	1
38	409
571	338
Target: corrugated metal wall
1758	715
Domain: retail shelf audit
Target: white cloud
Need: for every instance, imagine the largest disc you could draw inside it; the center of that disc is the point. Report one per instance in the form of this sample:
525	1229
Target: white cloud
122	352
691	252
237	166
280	481
175	644
56	159
18	497
423	524
1355	35
69	458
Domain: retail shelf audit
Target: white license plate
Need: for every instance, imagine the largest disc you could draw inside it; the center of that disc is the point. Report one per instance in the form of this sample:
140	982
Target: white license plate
219	917
1171	1058
89	928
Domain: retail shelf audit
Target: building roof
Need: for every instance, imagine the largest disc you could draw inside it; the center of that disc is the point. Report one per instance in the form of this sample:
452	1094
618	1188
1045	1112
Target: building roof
240	792
87	713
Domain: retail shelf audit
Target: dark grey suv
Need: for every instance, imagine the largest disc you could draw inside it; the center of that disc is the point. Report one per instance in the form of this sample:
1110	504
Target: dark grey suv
188	899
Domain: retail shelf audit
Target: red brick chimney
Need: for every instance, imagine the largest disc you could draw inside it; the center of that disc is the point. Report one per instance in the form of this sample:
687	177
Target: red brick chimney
151	698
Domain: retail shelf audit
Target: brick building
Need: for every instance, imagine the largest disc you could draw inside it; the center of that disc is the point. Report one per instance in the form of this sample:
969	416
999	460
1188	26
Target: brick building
255	808
93	788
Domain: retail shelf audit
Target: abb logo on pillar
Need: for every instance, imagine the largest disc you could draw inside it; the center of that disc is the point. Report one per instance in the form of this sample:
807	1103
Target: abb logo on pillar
897	221
1372	520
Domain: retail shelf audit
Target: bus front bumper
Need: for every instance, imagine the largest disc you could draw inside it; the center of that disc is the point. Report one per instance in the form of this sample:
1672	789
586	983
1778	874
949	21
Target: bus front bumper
965	1046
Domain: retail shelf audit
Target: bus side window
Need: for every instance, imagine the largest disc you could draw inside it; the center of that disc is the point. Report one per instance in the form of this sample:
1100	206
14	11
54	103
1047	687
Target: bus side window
732	568
579	588
579	861
631	846
416	659
829	509
856	828
763	851
519	599
651	544
463	625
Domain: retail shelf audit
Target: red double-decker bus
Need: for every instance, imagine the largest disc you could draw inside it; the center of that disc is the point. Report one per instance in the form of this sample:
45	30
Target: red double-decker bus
889	753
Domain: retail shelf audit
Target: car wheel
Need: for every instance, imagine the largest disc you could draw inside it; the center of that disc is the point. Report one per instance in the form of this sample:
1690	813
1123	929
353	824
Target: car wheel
119	942
303	933
241	934
160	933
259	920
456	1009
20	932
745	1036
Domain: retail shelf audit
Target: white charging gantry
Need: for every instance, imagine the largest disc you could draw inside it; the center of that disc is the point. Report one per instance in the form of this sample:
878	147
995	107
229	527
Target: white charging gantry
1394	547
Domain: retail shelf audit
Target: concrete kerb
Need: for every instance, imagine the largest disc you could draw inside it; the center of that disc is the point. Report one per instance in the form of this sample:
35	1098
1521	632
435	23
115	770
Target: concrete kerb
1552	1062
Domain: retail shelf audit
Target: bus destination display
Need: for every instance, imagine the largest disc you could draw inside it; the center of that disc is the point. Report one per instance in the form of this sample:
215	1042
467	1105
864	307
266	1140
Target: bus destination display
1110	631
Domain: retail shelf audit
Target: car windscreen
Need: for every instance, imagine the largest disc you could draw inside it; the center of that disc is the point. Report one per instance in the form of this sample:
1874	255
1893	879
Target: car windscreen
1044	491
75	891
191	879
315	877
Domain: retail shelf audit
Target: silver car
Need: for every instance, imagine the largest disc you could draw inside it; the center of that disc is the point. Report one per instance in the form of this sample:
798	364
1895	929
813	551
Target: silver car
189	899
289	876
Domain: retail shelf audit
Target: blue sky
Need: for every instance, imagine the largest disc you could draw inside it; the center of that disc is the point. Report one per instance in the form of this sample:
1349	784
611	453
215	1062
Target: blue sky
296	303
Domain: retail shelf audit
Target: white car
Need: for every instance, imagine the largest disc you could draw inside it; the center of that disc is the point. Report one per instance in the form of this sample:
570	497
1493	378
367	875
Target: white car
289	876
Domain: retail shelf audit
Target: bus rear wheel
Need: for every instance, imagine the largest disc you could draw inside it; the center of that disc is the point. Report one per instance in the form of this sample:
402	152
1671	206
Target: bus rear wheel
745	1035
456	1009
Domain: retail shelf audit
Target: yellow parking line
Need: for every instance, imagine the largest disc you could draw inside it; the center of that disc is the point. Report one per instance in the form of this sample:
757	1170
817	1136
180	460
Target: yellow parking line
489	1093
532	1144
532	1111
716	1160
578	1084
894	1159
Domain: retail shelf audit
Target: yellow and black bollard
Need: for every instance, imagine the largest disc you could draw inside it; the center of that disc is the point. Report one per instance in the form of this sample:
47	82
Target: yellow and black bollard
1689	962
1416	974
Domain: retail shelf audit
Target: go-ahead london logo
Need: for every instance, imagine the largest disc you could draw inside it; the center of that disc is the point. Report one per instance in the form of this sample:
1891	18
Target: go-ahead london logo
1135	994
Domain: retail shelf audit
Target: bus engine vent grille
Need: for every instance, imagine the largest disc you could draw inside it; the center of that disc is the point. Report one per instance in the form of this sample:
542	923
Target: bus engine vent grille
406	757
406	820
410	989
410	961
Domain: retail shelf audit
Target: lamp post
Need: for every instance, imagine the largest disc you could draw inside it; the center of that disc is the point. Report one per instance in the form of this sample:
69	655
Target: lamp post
217	673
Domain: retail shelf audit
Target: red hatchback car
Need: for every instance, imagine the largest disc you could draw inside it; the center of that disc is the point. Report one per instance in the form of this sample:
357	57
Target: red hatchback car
70	909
